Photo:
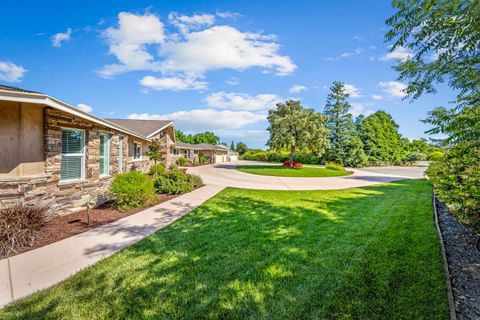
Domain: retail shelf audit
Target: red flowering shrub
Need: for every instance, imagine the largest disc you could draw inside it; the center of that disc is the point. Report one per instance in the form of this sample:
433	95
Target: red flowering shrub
294	164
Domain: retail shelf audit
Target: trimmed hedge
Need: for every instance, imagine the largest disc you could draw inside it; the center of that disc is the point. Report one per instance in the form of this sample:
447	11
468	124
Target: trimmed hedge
334	166
275	156
176	182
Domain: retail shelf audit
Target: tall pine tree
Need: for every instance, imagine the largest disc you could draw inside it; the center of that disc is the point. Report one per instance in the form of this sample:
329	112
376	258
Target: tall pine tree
345	146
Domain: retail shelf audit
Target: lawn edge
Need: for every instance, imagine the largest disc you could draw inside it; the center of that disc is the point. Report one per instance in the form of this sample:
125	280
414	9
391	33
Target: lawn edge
451	303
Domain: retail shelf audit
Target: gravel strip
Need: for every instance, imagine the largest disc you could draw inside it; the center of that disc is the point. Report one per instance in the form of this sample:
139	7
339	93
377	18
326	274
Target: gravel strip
463	262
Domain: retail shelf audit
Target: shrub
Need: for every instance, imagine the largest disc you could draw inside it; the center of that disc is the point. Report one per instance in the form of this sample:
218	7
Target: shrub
173	167
203	160
197	181
435	156
20	226
456	178
414	156
334	166
131	190
292	165
174	182
181	161
159	168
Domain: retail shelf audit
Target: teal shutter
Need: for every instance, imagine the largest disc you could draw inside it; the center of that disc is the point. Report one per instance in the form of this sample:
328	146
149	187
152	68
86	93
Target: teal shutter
104	158
72	161
120	155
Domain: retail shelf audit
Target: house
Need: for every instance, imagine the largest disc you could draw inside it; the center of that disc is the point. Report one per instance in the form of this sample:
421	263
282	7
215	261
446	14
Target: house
54	152
194	152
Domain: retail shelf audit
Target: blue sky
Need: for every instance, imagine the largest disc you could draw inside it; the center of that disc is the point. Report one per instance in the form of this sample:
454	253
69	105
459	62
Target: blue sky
208	65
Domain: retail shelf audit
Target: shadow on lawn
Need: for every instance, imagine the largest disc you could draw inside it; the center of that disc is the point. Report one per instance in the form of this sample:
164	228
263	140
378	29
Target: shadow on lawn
241	257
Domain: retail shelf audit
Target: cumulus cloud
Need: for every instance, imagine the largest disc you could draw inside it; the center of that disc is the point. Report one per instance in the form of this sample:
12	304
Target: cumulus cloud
84	107
400	53
377	97
228	14
129	43
172	83
139	42
352	90
358	109
393	88
11	72
241	101
59	38
206	119
297	88
186	23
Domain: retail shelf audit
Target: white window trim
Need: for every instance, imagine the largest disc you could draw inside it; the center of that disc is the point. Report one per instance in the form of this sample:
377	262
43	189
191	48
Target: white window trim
133	155
107	156
83	156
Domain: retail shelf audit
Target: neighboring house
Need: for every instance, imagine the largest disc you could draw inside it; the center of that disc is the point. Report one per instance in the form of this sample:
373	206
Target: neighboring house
53	152
194	152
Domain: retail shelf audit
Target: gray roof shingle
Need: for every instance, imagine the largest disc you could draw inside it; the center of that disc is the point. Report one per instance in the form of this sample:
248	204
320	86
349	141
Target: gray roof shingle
142	127
15	89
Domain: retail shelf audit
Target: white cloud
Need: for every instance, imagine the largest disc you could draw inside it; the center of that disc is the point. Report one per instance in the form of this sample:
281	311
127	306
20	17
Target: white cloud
172	83
358	109
84	107
297	88
352	90
139	42
377	97
224	47
400	53
186	23
11	72
241	101
206	119
60	37
393	88
358	38
227	14
128	43
348	54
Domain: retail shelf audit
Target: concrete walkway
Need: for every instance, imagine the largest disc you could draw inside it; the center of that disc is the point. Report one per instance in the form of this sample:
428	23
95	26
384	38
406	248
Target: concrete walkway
28	272
226	175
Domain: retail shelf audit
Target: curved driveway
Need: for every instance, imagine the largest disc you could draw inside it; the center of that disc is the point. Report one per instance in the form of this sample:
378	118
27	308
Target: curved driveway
225	175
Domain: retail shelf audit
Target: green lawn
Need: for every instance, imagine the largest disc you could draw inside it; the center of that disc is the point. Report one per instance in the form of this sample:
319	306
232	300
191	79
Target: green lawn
273	170
364	253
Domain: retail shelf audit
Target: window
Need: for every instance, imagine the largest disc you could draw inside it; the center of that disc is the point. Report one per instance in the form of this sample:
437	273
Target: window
72	164
120	154
104	154
195	151
137	151
175	152
188	153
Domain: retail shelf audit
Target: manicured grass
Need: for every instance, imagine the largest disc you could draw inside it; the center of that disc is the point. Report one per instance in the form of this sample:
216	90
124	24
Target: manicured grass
266	170
364	253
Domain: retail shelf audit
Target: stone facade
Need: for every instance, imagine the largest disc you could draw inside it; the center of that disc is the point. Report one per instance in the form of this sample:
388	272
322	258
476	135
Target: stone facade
64	197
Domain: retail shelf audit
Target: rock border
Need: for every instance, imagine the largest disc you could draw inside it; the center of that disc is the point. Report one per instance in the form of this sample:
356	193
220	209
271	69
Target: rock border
451	303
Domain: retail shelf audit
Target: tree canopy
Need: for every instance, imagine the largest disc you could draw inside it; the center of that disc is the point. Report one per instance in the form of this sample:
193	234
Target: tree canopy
382	142
241	148
345	146
295	127
204	137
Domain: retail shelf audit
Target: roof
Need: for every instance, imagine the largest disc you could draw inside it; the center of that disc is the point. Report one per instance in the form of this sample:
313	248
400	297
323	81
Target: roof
8	93
200	146
146	128
15	89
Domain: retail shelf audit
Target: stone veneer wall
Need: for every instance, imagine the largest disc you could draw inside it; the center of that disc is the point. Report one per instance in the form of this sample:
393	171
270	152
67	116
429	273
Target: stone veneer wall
67	197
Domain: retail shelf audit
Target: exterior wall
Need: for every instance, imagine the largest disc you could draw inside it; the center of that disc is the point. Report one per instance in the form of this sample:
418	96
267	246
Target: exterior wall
64	197
21	139
166	138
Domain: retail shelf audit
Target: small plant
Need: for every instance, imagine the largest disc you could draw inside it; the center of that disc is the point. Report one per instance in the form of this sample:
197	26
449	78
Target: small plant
334	166
203	160
20	226
156	169
181	161
197	181
132	190
154	154
174	182
292	164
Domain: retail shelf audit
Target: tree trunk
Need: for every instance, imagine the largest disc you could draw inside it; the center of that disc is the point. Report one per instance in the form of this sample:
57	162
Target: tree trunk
290	158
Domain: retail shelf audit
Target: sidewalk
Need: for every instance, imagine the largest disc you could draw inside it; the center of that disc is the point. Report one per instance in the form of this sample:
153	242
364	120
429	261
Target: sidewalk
28	272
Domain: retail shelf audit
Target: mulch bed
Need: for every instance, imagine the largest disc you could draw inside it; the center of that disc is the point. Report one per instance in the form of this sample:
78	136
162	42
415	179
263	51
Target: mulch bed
63	227
463	258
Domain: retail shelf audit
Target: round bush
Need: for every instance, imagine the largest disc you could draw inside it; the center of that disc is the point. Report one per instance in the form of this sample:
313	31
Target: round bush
174	182
159	168
181	161
132	190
